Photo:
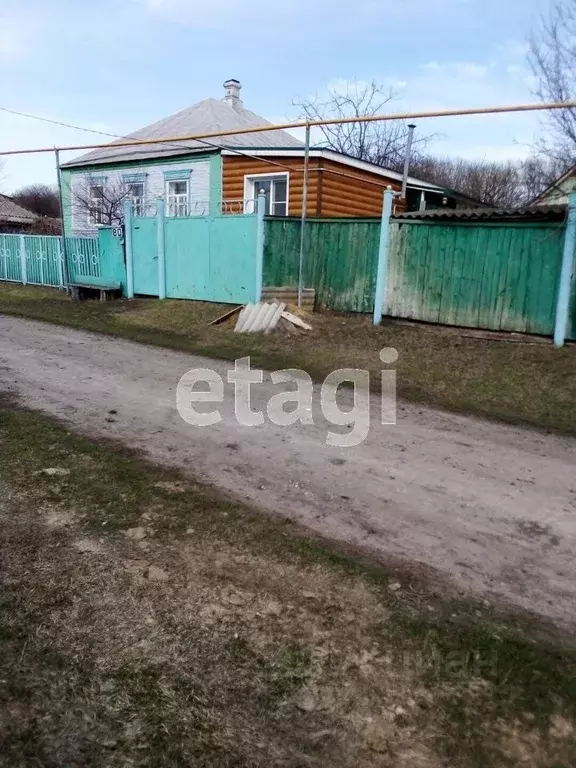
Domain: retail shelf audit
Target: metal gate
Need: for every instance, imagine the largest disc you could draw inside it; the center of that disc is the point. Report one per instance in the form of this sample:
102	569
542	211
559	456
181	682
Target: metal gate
215	257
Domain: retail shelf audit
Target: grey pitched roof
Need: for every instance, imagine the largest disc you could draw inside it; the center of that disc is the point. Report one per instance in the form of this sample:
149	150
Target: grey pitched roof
204	117
14	213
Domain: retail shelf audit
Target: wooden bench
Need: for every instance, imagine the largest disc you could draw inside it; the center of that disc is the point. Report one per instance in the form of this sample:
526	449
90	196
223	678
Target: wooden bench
105	289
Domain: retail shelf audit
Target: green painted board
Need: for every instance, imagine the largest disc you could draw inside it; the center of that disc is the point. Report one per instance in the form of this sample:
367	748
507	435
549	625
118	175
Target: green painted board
479	275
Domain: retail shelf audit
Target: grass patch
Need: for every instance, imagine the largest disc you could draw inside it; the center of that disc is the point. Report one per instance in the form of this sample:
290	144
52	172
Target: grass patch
218	637
522	383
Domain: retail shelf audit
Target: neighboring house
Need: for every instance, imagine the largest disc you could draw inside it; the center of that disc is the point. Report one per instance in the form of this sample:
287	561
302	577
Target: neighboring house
13	217
558	192
226	173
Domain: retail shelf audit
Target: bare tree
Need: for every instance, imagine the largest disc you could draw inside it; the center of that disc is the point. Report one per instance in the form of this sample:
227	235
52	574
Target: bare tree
553	61
100	202
383	143
41	199
507	184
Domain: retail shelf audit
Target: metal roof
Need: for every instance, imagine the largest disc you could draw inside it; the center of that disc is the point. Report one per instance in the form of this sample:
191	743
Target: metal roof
261	317
344	159
203	117
14	213
532	213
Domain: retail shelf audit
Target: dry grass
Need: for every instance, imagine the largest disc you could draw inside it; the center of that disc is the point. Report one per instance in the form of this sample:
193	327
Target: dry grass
146	621
534	384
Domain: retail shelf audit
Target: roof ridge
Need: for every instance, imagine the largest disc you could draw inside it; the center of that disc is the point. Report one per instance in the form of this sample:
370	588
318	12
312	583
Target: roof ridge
205	116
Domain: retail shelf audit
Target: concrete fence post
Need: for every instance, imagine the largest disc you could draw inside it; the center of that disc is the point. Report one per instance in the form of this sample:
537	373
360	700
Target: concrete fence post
260	209
380	294
128	246
161	248
566	275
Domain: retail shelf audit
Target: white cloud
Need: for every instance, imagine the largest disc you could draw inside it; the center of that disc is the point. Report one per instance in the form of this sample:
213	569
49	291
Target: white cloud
464	69
502	78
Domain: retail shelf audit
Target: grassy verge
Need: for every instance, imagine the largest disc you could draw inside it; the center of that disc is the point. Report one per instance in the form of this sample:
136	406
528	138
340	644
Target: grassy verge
145	620
533	384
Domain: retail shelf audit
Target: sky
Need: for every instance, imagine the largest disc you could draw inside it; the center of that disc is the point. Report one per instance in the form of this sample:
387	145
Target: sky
117	65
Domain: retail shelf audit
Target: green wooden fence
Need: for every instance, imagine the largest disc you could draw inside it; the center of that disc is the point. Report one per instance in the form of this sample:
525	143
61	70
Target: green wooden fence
340	263
480	275
498	276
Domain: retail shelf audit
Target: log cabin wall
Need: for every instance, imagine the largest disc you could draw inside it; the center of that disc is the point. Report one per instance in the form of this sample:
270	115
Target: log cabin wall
334	189
235	168
349	191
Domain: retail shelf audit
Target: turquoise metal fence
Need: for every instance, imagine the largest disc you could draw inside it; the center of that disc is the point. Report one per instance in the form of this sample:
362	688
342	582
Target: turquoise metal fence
11	257
39	259
83	259
31	259
213	257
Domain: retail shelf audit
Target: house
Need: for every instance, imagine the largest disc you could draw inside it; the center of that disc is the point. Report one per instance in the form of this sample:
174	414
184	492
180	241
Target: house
14	218
558	192
226	172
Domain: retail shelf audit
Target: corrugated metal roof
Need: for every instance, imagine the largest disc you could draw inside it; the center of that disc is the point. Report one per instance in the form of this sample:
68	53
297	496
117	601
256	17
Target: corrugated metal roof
11	211
534	213
261	317
203	117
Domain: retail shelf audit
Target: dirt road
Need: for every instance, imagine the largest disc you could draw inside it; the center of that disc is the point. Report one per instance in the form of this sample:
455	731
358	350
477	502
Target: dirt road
491	507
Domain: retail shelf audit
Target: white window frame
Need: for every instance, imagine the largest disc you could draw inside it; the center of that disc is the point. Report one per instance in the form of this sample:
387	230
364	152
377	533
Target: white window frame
93	218
177	202
138	203
251	190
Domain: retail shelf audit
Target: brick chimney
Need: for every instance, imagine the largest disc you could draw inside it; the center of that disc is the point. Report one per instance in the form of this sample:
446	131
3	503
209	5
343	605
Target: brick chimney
232	93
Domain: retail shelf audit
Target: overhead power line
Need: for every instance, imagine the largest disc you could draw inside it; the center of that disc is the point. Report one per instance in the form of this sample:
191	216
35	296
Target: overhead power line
304	124
59	122
242	153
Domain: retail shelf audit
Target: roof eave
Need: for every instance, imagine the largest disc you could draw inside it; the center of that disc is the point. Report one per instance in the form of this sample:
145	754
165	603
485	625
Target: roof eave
171	153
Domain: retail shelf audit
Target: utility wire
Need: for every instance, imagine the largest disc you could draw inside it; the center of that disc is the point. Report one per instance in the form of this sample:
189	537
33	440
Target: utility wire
58	122
242	153
304	123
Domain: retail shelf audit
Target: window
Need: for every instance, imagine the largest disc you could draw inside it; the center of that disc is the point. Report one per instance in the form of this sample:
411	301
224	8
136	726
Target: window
96	210
177	194
275	188
135	193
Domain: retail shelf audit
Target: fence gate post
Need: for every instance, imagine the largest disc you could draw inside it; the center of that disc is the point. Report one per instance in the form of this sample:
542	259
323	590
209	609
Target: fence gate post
161	247
380	293
261	208
128	246
566	275
23	268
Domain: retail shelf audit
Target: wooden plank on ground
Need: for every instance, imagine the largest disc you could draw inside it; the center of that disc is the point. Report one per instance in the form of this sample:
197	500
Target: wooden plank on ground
226	315
296	320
